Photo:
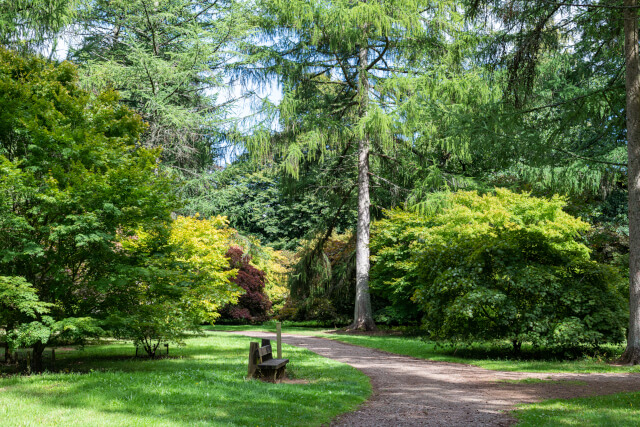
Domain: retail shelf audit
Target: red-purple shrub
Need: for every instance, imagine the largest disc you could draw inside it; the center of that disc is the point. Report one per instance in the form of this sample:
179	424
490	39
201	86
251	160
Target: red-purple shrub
237	313
254	304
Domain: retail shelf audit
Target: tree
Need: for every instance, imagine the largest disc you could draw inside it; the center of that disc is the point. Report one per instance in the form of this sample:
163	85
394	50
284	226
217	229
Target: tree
27	24
322	284
18	299
166	58
273	208
342	64
72	180
500	266
531	29
176	279
632	86
253	305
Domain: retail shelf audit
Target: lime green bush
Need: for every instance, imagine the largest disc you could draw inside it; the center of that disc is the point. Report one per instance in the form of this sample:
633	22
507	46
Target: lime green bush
180	278
393	276
499	266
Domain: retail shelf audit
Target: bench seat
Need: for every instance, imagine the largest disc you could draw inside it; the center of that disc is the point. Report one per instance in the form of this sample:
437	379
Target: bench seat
273	363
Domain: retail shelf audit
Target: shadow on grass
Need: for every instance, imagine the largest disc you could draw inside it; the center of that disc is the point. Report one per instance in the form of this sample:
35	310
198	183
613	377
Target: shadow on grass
204	385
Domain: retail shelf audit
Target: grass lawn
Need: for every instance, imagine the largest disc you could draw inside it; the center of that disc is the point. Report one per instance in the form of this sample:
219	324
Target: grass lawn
622	409
416	347
202	384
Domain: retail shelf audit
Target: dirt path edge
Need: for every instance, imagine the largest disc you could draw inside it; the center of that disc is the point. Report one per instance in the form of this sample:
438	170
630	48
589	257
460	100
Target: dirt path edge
415	392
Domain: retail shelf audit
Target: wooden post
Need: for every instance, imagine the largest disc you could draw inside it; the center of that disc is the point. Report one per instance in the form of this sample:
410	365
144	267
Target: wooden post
279	339
167	347
253	347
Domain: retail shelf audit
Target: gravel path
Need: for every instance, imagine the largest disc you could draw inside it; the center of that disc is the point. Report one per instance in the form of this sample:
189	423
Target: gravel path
416	392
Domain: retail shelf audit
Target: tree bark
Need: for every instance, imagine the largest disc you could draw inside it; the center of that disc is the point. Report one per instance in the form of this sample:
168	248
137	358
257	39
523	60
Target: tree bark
362	316
37	364
632	85
7	356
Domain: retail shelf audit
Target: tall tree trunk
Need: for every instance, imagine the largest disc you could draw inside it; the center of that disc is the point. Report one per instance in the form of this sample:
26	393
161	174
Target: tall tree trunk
632	83
362	316
7	356
37	364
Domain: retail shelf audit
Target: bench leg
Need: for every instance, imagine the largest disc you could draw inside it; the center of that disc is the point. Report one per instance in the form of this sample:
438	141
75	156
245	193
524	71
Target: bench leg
253	347
280	373
271	375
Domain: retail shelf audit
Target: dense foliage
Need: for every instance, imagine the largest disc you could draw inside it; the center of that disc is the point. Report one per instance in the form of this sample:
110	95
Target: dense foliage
277	269
177	279
28	24
263	204
72	180
322	280
166	59
253	305
19	302
499	266
87	242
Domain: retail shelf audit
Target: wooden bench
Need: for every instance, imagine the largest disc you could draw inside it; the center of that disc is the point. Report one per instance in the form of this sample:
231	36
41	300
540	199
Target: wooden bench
262	364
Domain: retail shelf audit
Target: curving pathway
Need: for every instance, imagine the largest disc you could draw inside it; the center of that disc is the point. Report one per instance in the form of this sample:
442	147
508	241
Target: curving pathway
416	392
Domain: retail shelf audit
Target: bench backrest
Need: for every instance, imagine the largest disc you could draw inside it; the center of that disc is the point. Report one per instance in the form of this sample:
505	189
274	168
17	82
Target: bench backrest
264	353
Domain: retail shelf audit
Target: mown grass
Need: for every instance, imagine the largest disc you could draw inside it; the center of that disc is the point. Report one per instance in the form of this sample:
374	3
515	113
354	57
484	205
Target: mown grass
483	356
622	409
200	384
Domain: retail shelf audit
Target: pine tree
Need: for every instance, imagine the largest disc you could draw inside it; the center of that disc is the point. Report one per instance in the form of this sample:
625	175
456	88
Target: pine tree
589	129
26	24
348	69
167	59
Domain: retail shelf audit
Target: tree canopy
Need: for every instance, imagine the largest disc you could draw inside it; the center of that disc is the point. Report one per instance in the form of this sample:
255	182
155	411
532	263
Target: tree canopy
493	145
499	266
74	189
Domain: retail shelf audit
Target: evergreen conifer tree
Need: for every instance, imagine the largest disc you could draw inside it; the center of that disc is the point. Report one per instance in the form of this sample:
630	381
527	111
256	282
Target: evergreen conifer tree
348	69
166	58
26	24
590	127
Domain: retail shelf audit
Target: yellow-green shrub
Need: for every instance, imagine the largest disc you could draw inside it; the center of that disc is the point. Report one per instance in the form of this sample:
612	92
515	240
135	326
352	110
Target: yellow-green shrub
201	245
499	266
179	277
277	267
